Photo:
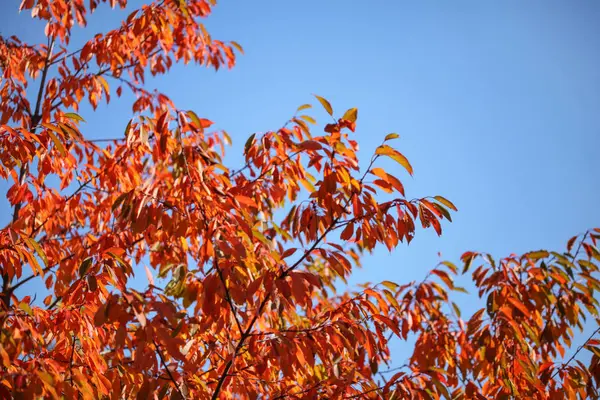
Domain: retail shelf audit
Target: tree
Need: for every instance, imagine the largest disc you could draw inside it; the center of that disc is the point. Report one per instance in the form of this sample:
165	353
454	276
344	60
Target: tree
252	255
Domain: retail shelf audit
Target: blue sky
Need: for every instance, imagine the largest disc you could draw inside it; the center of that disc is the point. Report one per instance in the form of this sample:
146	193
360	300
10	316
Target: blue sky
496	104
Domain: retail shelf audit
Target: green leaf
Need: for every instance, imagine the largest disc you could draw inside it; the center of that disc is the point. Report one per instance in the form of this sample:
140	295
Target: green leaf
325	104
127	128
391	136
194	118
467	259
395	155
85	266
456	309
74	116
351	115
446	202
119	200
491	304
249	143
443	210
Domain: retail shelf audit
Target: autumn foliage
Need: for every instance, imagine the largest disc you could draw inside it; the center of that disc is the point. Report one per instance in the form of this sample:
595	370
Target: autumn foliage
251	254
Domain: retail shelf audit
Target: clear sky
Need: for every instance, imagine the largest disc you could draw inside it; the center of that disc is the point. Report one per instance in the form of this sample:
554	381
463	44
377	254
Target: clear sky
497	104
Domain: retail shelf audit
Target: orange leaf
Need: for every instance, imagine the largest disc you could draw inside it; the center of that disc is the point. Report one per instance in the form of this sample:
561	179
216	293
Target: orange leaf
389	323
310	145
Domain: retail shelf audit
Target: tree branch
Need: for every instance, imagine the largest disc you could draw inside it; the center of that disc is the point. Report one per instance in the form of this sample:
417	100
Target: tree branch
228	295
576	352
162	360
262	305
35	119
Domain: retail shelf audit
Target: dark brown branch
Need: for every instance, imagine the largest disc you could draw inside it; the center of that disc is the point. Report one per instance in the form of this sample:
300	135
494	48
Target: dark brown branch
35	119
228	295
71	360
262	305
162	360
576	352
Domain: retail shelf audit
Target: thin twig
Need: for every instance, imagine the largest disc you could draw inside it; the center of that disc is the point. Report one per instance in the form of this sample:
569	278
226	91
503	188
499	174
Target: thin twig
576	352
283	274
228	295
71	360
162	360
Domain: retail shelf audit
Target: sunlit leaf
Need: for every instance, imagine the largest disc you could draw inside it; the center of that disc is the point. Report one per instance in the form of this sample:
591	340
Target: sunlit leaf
325	105
351	115
57	143
73	116
304	107
395	155
446	202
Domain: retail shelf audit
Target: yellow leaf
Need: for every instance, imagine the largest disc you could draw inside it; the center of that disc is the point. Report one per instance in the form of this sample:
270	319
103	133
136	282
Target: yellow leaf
52	127
237	46
25	307
536	255
308	119
57	143
184	243
391	136
307	185
351	115
74	116
395	155
37	248
194	118
390	285
325	104
260	236
302	125
104	84
446	202
304	107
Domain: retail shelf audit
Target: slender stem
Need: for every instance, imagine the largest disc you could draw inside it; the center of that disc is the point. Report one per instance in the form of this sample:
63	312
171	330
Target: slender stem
576	352
228	295
261	307
71	360
162	360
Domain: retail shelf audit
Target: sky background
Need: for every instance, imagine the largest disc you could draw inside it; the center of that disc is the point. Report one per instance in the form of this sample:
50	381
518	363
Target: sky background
496	104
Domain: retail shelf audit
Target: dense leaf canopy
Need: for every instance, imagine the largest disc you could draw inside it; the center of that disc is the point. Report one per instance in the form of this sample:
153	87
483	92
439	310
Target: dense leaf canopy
252	255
